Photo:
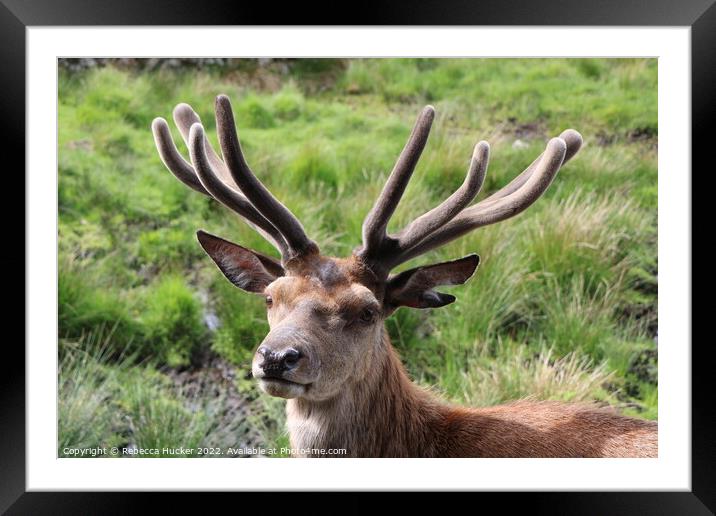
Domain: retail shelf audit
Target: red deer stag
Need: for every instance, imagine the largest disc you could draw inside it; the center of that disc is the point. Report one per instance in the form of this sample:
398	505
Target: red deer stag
328	351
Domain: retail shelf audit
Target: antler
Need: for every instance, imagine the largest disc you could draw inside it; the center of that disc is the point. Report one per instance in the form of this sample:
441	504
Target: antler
452	218
231	182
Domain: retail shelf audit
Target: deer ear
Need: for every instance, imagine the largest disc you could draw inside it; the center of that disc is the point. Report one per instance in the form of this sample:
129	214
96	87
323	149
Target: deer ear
247	269
414	288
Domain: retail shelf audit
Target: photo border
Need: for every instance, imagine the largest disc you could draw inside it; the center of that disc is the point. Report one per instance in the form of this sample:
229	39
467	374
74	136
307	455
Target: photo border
16	16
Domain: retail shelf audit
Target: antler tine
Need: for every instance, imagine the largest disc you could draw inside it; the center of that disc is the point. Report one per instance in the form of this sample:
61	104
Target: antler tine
574	142
376	222
227	195
184	117
171	157
501	208
186	173
448	209
259	196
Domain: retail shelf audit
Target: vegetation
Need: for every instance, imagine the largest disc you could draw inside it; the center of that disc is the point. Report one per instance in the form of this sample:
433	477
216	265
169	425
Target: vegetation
563	306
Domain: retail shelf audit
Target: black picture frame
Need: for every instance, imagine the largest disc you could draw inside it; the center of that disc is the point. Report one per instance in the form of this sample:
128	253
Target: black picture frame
17	15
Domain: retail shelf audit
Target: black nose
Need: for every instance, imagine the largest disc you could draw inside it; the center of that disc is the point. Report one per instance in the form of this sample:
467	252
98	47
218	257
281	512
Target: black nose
276	362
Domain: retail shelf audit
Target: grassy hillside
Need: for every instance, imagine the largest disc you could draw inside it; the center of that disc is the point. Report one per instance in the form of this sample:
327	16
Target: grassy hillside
564	304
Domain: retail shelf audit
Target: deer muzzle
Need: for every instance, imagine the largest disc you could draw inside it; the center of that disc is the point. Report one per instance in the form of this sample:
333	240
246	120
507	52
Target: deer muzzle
281	365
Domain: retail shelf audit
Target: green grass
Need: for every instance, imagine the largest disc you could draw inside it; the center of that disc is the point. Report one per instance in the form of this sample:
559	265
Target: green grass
563	305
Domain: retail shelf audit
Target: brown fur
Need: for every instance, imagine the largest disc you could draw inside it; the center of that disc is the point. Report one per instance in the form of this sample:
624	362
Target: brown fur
385	415
353	393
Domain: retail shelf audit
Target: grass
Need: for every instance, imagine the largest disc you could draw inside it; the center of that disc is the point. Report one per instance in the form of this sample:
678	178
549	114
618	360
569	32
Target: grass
109	401
564	304
519	373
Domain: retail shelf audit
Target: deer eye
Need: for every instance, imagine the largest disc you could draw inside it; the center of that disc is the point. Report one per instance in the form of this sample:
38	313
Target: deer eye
367	315
269	301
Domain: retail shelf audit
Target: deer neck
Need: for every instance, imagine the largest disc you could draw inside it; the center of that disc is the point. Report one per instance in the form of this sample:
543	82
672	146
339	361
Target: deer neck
382	414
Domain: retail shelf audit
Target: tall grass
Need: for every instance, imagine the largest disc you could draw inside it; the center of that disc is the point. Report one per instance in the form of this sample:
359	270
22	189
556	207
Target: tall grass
106	400
519	373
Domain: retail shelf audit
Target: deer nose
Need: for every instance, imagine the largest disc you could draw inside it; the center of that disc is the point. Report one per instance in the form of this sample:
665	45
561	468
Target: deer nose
278	361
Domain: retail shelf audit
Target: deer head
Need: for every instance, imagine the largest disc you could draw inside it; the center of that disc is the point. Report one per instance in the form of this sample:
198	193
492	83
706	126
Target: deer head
326	314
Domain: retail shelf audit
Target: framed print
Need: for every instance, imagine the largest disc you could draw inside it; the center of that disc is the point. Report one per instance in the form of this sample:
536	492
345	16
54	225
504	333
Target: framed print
503	303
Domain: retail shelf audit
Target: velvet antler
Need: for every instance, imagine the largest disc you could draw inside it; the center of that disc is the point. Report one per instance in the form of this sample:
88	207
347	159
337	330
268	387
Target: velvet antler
230	181
453	218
